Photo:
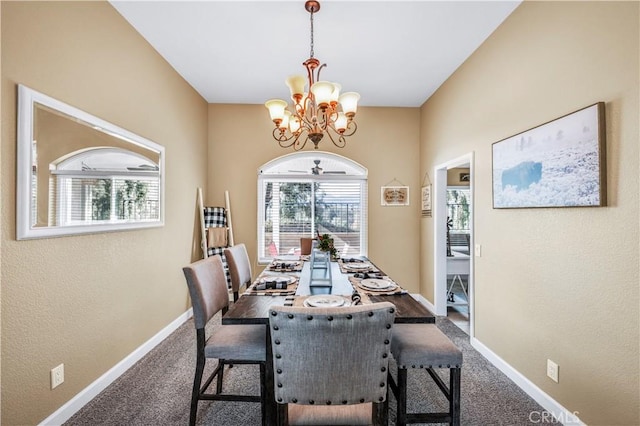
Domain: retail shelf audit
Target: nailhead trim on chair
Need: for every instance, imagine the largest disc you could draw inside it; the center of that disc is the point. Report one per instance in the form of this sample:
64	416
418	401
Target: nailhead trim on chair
432	366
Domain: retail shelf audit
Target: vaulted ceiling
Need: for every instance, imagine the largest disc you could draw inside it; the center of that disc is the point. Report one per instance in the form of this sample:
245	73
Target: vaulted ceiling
394	53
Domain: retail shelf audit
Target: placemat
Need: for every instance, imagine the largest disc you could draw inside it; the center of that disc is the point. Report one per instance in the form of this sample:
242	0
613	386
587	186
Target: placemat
290	290
344	270
299	300
285	266
365	291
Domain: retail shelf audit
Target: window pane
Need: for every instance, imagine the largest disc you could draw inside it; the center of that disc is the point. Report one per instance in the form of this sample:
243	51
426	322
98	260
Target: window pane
293	210
458	208
80	200
338	213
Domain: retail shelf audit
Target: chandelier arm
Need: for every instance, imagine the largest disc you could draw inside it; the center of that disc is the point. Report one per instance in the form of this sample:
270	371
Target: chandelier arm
324	121
282	138
349	130
341	141
318	72
297	146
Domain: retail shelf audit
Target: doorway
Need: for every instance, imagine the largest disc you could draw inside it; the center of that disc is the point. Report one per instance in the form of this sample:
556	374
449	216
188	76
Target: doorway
453	274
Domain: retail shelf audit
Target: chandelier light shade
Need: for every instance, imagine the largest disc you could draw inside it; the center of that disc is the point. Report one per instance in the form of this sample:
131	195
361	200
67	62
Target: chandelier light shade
317	108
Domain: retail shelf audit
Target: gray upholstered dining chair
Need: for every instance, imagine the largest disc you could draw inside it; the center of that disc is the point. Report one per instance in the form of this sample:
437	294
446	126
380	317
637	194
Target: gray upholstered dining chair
239	268
231	344
424	346
330	364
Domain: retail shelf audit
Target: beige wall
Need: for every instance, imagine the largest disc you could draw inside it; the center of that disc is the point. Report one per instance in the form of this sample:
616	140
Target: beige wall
88	301
553	283
237	149
1	203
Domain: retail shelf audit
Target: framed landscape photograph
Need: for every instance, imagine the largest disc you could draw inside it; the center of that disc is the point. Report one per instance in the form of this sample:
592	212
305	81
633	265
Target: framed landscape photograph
561	163
394	195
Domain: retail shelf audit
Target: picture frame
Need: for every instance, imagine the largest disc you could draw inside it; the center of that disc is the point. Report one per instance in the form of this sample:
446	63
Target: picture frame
561	163
426	200
394	195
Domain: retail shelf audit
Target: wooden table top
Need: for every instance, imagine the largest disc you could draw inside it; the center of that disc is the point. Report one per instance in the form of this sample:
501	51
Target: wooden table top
255	309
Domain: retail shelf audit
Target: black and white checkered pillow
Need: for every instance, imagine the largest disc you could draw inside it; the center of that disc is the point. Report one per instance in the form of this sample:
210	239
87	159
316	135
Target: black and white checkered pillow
215	217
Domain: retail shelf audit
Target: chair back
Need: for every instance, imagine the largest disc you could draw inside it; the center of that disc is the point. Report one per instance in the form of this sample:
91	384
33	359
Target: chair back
207	288
334	356
239	266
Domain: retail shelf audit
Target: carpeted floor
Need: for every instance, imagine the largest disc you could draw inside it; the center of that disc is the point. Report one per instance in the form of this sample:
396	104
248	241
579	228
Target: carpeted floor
156	391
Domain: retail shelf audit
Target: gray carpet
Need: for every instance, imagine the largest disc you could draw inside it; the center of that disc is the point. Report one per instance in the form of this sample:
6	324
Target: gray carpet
156	390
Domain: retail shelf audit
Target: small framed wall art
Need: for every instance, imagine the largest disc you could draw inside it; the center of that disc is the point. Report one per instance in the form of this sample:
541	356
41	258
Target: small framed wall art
426	200
394	195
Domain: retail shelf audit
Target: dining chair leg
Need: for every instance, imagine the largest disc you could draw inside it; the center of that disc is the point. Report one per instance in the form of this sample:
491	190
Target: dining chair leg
379	414
220	376
454	395
195	393
401	397
282	415
263	394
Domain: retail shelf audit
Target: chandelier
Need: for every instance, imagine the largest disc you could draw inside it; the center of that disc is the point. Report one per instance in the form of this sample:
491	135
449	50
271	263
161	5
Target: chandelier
320	111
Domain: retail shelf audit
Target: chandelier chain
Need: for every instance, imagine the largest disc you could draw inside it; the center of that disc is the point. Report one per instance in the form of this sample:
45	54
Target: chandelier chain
311	19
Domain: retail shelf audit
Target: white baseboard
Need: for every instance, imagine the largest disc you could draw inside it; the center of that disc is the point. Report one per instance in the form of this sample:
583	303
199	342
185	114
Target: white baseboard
420	298
65	412
550	405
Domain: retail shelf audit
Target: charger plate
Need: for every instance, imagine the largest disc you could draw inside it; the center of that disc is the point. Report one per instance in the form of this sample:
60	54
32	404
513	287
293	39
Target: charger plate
357	266
326	301
377	284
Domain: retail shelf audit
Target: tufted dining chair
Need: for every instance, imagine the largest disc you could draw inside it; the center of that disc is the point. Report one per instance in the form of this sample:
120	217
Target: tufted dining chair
330	364
239	268
231	344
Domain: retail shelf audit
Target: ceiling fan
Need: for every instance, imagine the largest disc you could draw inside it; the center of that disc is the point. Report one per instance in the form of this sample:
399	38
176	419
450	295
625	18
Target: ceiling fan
144	168
317	170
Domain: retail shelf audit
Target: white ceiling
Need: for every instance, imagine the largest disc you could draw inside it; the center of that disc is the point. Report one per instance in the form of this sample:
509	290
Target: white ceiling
394	53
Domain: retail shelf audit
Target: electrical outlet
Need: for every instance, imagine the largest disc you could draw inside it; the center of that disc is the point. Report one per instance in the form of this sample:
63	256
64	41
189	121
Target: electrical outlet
57	376
478	249
552	370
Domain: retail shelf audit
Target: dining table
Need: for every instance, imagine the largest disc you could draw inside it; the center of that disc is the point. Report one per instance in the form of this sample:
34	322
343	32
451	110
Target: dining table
291	281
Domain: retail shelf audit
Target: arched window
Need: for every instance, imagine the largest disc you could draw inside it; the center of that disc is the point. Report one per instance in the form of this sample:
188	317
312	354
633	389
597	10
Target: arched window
104	185
303	194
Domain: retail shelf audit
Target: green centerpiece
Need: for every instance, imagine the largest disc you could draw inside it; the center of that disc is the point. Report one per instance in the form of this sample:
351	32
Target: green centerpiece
325	243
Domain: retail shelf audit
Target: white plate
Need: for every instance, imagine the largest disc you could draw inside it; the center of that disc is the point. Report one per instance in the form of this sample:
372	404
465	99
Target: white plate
357	265
377	284
277	278
325	301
